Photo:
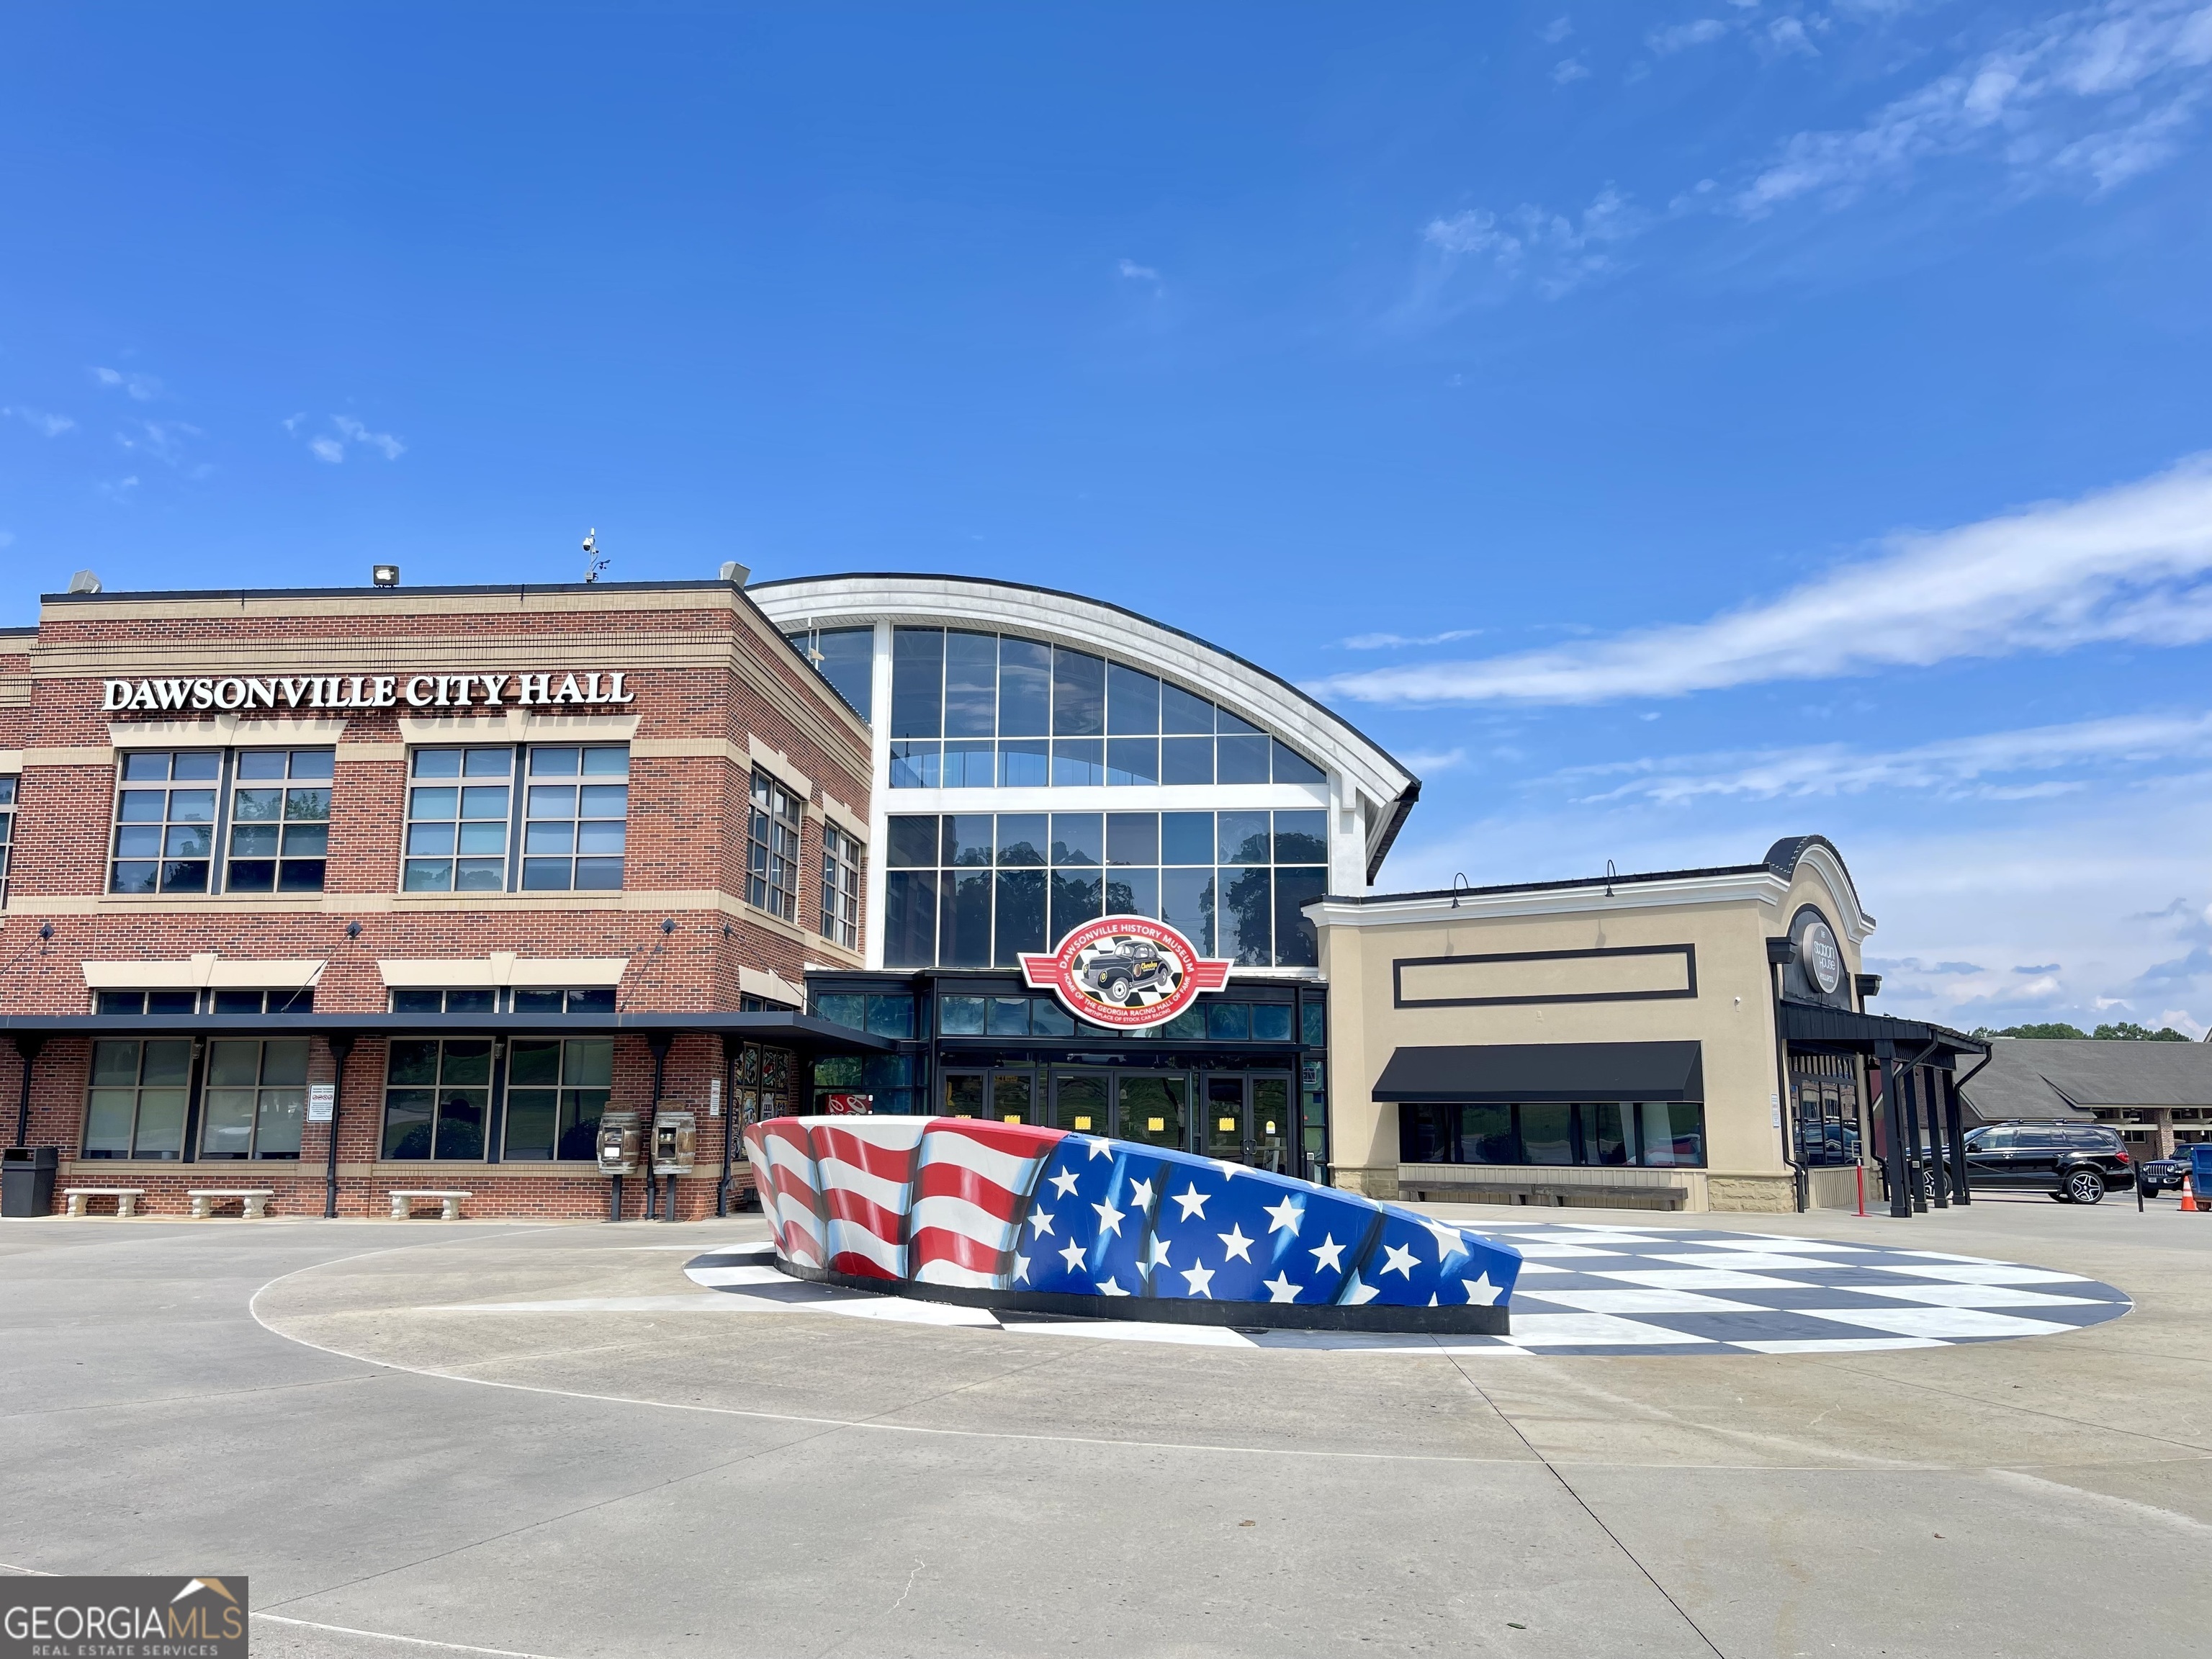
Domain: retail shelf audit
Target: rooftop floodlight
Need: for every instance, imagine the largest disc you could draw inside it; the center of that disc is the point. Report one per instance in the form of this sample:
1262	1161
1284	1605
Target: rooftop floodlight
735	573
385	575
84	582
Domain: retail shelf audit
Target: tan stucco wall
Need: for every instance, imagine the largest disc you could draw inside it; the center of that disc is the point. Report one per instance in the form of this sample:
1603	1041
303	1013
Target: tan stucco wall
1732	1016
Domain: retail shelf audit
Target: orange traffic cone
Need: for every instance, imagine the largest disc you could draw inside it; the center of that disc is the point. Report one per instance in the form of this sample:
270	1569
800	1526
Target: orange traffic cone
2188	1195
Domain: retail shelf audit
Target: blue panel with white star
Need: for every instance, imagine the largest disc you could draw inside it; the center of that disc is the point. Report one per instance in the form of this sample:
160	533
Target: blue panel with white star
1111	1218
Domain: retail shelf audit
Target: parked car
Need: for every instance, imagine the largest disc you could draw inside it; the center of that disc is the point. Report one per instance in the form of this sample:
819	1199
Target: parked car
2163	1175
2074	1162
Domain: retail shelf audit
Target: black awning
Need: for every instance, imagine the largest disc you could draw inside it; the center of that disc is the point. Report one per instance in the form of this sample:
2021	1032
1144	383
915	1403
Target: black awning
805	1033
1545	1071
1813	1025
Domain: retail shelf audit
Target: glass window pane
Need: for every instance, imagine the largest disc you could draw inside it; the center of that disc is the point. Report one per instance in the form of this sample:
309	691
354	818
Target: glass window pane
277	1121
256	805
237	1002
534	1064
912	842
233	1062
1270	1022
145	764
1290	767
846	657
1049	1019
200	765
414	999
161	1131
1078	764
482	999
842	1008
590	1062
1025	763
1674	1132
971	684
1020	923
968	838
1247	917
607	761
262	762
1025	688
1296	944
1132	892
460	1123
970	763
114	1062
532	1121
1132	838
407	1116
1546	1134
437	763
1079	694
174	1002
1181	711
1132	761
1187	905
1606	1134
960	1016
1241	760
1186	759
916	763
412	1060
1079	838
119	1002
108	1122
1076	897
917	682
1228	1021
594	999
1302	837
312	763
964	922
1243	838
1485	1134
1022	837
168	1063
1133	702
487	762
910	917
552	763
891	1016
467	1062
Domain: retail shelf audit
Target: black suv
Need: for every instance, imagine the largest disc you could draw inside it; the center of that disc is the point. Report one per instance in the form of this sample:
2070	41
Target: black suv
2163	1175
2074	1162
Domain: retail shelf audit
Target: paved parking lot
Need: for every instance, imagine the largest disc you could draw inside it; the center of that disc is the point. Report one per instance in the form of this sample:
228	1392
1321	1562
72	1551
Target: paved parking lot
333	1409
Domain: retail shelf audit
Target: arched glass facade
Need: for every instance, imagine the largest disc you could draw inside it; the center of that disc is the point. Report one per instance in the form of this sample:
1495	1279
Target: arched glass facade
981	711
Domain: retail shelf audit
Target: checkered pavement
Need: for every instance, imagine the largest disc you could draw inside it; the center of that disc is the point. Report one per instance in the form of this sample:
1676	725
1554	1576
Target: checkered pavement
1605	1290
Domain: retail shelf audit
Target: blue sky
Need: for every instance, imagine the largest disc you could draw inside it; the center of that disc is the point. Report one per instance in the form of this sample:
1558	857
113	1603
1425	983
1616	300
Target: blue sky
1668	428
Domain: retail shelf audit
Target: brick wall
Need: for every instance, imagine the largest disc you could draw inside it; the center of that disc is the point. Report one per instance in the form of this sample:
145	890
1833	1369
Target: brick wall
711	682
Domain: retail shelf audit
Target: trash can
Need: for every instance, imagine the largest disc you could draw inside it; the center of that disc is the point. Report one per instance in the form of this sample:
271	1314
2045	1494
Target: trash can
2200	1173
27	1181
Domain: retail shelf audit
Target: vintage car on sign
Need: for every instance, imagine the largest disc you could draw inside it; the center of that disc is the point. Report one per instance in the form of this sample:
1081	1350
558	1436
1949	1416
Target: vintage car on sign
1125	965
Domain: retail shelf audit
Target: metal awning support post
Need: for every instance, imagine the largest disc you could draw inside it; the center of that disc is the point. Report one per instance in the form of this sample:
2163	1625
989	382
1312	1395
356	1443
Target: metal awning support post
1901	1200
341	1046
1911	1102
1939	1139
27	1050
731	1128
658	1042
1954	1121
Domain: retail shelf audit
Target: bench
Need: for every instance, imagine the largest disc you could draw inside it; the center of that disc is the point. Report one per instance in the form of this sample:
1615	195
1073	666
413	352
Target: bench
403	1203
257	1200
126	1198
1559	1194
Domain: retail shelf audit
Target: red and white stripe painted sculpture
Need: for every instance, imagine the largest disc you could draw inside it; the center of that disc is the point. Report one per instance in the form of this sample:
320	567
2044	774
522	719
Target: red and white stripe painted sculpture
1016	1217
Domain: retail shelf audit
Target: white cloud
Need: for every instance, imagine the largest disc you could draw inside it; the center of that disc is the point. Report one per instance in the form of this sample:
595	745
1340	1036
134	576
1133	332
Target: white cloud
143	387
1556	31
350	431
163	440
389	446
1387	642
1952	767
1569	70
1682	36
1427	763
41	421
2127	564
1135	272
1786	35
2099	94
118	489
1557	251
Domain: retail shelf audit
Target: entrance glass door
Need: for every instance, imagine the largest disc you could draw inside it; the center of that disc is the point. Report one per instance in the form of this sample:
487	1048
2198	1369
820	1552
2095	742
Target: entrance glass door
963	1095
1079	1103
1153	1108
1270	1124
1225	1116
1013	1097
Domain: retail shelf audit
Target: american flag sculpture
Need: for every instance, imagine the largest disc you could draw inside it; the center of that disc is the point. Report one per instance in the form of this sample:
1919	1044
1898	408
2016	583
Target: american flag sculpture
1011	1216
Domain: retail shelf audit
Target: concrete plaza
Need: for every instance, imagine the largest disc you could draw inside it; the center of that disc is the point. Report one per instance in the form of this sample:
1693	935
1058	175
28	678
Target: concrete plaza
302	1403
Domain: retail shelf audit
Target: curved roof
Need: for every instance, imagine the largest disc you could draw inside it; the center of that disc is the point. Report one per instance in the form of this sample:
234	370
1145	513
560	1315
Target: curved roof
1386	790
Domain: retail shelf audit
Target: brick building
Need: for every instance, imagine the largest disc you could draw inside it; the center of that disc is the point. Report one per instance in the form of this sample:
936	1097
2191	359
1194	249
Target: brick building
484	858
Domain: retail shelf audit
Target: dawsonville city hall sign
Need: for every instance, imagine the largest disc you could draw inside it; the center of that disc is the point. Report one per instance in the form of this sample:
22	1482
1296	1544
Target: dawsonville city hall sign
234	693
